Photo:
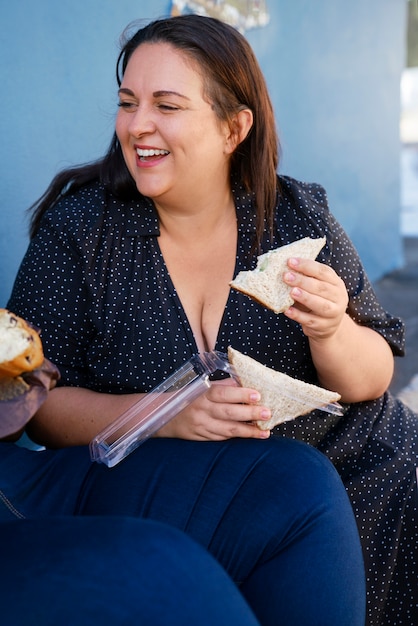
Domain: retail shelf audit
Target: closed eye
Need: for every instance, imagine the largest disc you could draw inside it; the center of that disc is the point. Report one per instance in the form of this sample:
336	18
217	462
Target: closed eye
168	107
127	105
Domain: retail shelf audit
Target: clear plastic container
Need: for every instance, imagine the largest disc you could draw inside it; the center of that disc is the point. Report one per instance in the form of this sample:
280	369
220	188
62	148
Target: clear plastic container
161	404
157	407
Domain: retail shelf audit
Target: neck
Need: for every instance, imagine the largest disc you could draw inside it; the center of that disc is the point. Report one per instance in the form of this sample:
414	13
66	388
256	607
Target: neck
192	221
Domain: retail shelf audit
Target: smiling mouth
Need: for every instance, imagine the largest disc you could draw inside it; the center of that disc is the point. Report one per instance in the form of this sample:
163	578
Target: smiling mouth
150	154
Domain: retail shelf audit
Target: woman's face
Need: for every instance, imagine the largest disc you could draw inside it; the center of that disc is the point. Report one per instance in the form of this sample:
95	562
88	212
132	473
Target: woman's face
173	144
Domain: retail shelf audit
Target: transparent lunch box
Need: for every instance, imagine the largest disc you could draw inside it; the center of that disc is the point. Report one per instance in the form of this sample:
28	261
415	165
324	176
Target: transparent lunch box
157	407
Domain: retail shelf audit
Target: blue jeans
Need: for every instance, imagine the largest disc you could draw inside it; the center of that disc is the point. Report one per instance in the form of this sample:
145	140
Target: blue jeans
109	572
273	513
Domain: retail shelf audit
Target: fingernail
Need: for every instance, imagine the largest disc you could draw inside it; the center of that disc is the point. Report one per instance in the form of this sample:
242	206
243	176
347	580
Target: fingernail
293	262
265	434
289	277
265	414
255	397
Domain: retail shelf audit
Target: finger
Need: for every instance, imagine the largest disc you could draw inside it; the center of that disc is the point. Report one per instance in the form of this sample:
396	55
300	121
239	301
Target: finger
315	269
301	270
236	413
236	404
314	286
244	413
231	430
232	394
318	295
310	305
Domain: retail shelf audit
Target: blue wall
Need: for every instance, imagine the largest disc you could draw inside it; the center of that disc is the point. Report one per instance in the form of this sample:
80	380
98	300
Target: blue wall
333	68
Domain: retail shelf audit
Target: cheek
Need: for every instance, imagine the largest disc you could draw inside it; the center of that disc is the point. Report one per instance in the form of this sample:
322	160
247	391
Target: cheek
122	133
120	128
122	124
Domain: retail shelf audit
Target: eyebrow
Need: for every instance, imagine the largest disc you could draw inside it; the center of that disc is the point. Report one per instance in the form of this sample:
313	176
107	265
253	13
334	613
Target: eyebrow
156	94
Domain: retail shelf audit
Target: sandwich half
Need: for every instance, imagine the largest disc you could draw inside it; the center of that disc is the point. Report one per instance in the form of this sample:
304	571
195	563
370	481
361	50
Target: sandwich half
265	282
286	397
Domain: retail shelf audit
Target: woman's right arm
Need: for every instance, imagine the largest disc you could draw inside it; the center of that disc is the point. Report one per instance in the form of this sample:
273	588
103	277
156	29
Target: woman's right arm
73	416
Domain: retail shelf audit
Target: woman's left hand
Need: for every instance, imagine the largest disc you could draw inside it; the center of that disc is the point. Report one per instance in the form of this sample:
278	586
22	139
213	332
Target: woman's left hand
343	352
320	297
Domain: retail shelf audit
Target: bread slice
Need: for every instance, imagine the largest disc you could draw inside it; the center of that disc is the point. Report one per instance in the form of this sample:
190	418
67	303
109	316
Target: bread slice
286	397
265	283
20	346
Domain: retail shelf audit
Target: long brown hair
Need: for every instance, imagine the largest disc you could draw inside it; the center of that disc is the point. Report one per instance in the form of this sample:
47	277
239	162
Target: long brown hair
232	80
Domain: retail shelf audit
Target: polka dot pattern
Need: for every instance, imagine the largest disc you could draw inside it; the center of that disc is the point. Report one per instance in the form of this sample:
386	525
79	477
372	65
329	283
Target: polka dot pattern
95	282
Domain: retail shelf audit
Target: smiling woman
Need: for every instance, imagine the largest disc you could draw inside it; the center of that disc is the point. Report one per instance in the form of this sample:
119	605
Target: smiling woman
128	275
173	143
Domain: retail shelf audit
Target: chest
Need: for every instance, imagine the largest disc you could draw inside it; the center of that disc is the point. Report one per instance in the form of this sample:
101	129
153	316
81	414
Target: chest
201	279
149	312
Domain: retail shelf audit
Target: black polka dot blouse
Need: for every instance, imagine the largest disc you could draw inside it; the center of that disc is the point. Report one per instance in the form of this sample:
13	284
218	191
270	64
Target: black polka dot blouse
95	282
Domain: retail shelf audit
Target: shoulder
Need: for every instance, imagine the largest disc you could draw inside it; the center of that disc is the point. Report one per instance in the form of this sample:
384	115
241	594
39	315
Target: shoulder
302	209
303	195
94	208
77	209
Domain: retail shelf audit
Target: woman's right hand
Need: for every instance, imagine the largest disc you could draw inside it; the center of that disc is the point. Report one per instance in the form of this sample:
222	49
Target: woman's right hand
72	416
223	412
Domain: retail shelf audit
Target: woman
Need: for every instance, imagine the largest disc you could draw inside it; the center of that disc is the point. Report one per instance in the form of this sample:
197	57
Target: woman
128	272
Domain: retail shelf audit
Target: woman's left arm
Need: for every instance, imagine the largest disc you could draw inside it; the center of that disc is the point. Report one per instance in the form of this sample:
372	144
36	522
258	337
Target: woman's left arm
350	358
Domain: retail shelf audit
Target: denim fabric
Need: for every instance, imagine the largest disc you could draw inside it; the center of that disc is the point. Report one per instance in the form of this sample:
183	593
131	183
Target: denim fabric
111	571
39	484
273	513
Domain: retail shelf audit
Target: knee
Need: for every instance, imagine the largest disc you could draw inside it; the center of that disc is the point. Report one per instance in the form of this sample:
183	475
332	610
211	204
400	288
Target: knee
302	475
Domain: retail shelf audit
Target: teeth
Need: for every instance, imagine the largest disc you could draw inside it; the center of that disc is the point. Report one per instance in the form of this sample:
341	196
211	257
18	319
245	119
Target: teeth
148	153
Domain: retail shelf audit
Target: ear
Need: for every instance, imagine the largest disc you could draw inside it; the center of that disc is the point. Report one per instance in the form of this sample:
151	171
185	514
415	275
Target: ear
240	127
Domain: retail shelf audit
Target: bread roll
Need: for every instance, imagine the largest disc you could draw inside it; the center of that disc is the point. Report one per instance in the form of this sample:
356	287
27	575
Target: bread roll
286	397
265	283
25	375
20	346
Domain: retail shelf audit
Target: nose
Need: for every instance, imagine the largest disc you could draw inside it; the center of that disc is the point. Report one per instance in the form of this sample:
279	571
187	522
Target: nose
141	121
